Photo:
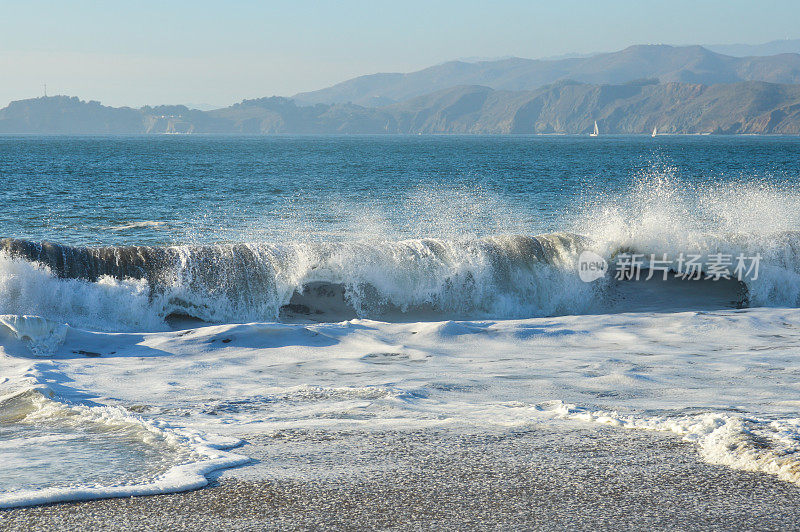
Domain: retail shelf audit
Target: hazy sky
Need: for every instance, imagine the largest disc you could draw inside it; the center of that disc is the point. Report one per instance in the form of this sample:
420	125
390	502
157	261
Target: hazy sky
180	51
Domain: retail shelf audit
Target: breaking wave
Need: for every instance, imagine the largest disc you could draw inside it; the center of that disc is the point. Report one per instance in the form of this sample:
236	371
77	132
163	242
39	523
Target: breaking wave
463	277
149	288
135	287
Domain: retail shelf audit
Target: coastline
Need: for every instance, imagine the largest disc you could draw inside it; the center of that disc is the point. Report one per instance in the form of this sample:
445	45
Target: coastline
562	476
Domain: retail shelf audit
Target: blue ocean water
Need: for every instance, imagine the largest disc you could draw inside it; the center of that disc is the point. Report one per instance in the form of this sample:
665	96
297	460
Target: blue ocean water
182	190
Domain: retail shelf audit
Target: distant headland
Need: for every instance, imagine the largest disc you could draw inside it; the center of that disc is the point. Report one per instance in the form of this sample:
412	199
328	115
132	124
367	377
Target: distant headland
676	90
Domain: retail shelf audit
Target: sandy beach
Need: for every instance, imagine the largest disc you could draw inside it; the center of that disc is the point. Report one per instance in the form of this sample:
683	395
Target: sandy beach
568	476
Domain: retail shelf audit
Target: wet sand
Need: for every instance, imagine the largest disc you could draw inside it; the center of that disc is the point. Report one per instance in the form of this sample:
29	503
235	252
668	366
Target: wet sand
544	478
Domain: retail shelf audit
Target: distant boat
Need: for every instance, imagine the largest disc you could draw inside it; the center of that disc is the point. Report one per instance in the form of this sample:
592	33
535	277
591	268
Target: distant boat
655	132
596	130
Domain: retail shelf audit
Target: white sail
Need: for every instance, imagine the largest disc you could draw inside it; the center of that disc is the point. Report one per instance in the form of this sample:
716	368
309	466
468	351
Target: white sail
596	130
655	131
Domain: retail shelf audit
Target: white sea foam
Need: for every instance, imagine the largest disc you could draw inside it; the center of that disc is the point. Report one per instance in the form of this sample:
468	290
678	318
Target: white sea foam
42	336
32	289
724	379
151	224
173	460
739	442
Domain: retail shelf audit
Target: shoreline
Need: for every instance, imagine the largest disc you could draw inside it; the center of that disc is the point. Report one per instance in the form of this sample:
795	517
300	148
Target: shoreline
540	477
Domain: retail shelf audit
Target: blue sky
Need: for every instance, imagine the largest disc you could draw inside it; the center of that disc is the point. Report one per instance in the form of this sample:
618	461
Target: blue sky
133	53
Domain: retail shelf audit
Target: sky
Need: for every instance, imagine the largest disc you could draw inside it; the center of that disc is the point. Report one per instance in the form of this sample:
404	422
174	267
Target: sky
217	53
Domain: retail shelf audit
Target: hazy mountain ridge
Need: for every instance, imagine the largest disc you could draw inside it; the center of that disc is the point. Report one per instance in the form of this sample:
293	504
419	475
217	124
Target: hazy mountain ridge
691	64
565	107
57	115
570	107
783	46
687	89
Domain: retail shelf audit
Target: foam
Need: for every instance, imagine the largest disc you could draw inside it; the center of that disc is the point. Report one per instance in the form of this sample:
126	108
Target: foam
153	224
196	456
42	336
682	372
738	442
139	288
31	288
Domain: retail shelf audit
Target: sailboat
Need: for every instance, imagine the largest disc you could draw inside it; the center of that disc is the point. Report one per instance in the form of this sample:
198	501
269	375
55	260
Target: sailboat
596	130
655	132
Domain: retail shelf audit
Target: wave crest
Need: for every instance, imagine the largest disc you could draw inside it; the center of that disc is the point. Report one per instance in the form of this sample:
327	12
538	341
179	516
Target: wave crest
130	287
496	277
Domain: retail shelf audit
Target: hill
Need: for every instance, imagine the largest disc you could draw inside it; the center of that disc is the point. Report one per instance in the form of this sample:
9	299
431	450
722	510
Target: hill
564	107
637	107
783	46
690	64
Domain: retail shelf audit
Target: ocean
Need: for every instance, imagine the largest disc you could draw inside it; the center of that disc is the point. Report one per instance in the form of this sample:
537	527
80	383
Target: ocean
168	302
